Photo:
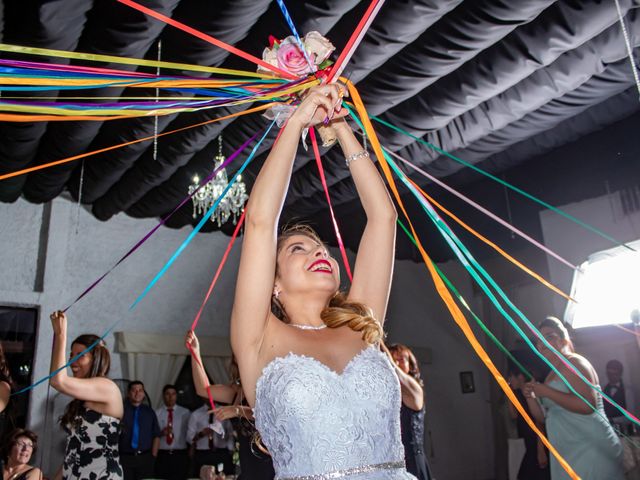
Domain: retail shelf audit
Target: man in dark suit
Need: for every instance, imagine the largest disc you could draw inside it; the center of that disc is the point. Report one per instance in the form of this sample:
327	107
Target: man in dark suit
140	435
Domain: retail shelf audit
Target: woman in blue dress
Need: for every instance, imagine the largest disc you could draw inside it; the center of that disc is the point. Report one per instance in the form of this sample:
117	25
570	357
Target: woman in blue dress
582	435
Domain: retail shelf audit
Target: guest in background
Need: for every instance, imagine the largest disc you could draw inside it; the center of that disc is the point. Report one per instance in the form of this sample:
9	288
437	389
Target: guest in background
581	435
17	453
254	463
140	437
92	419
412	410
5	381
622	394
5	384
212	441
535	463
172	462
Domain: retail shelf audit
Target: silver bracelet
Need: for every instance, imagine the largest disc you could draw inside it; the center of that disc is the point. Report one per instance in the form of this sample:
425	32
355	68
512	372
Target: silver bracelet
355	156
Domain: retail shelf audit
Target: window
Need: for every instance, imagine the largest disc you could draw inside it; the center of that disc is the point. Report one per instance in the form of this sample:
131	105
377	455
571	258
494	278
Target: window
18	334
607	289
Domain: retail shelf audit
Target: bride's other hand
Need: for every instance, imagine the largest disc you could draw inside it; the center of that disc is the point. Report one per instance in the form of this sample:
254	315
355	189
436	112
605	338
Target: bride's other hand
322	102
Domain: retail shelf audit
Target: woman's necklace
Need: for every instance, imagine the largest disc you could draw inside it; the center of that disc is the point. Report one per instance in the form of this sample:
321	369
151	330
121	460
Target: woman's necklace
308	327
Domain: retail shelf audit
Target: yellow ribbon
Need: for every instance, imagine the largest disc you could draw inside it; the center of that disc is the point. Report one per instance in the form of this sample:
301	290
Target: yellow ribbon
92	57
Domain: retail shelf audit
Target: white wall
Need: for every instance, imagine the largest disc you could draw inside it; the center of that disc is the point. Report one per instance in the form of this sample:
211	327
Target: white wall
457	424
76	249
598	344
77	254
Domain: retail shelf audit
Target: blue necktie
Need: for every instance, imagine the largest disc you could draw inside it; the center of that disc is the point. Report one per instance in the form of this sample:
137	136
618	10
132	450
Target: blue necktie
136	430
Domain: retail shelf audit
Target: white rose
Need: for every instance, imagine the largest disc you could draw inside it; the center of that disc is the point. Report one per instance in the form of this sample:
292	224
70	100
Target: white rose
268	55
318	46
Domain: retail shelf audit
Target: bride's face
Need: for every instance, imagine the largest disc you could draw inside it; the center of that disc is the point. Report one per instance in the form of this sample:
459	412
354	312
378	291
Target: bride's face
305	265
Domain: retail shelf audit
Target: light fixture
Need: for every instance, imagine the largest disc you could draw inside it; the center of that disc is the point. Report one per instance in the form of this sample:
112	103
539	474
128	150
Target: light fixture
231	205
606	288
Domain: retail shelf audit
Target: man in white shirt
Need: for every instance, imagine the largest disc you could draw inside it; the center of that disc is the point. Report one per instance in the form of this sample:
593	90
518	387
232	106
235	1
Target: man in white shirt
211	441
172	462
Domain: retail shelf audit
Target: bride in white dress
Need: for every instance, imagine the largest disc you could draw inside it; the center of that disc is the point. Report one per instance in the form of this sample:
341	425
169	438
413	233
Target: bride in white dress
326	400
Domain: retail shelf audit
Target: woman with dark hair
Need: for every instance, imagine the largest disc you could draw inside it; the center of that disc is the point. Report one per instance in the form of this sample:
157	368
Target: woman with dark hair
5	380
326	399
254	464
412	411
92	419
17	453
582	436
535	462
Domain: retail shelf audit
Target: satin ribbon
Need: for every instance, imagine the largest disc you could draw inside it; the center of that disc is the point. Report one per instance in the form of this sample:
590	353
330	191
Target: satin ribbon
92	57
518	264
223	261
207	38
477	271
293	29
120	145
202	221
445	295
146	237
66	365
480	208
323	180
506	184
354	40
124	110
464	303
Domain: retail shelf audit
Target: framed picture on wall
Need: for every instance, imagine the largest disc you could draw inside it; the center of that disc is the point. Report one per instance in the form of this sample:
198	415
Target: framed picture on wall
466	382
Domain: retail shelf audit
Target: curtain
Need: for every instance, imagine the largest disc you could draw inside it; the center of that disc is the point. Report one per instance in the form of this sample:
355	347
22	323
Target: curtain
155	371
217	368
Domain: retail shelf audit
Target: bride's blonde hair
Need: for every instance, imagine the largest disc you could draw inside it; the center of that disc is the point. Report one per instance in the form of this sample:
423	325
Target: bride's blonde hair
357	316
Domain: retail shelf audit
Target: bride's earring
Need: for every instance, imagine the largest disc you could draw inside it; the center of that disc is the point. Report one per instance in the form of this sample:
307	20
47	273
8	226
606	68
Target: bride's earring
276	293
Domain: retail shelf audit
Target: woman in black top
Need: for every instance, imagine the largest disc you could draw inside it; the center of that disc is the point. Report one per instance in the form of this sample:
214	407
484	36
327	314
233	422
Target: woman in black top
254	463
412	411
535	463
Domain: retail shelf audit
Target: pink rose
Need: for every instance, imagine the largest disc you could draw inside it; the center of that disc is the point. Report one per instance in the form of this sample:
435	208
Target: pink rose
319	47
291	58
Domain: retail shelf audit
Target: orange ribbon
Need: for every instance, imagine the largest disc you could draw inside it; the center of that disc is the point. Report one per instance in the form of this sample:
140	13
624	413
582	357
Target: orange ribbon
120	145
444	293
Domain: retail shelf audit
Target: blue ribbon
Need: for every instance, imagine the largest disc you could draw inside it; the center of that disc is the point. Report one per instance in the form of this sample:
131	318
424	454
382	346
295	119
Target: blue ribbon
202	221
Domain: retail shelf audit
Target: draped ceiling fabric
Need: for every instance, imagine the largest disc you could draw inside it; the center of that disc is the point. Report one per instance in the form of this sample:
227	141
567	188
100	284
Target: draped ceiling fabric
495	82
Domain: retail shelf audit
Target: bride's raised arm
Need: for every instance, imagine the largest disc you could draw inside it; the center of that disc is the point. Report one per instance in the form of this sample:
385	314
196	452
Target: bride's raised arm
256	273
374	262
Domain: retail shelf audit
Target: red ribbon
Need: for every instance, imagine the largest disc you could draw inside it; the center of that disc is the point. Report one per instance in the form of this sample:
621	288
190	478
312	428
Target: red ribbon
207	38
355	39
215	277
316	151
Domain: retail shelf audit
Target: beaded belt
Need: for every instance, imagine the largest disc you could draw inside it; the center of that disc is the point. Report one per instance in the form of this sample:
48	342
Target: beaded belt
348	471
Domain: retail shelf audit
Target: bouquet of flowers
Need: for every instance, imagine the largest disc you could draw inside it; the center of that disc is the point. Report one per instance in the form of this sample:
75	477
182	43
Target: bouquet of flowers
287	55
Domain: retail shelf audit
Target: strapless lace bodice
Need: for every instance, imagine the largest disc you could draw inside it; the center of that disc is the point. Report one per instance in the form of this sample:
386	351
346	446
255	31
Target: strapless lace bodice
315	421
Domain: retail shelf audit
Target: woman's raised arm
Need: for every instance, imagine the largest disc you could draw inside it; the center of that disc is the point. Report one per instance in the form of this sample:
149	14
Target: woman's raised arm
100	390
219	393
374	262
256	273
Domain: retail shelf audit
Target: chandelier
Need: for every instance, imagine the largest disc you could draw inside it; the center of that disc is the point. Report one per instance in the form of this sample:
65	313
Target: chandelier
233	202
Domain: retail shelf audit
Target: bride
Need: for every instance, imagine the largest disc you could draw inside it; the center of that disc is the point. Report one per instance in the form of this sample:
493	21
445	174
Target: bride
326	400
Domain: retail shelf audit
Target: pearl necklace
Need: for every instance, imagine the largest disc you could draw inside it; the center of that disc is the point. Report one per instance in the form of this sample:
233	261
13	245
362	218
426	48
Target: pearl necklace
308	327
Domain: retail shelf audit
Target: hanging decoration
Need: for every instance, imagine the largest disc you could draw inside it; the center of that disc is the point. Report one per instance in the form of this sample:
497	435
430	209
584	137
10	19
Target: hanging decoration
231	206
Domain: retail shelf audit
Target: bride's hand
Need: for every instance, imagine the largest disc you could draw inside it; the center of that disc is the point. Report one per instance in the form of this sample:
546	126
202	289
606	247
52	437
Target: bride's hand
322	103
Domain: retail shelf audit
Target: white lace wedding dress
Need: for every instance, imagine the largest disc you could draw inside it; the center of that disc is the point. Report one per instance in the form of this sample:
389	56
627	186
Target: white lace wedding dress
318	424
